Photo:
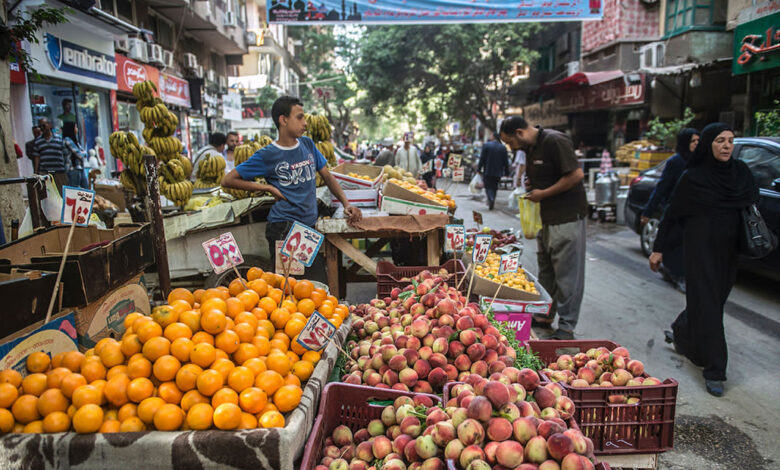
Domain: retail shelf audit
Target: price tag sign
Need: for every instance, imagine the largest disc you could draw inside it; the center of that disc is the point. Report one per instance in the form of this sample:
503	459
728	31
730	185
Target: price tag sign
76	205
455	238
314	336
427	167
477	217
455	160
510	263
296	268
302	243
223	252
481	247
458	174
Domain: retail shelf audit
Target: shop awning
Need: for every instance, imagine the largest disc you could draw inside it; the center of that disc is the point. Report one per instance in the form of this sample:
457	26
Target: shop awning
580	80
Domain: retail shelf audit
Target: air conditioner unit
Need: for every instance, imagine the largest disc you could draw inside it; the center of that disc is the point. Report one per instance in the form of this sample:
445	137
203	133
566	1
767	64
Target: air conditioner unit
651	55
250	38
191	61
230	18
572	67
136	49
156	54
211	76
223	81
121	45
168	59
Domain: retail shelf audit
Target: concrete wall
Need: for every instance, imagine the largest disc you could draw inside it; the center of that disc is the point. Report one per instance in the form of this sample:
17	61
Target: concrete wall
699	46
621	56
623	19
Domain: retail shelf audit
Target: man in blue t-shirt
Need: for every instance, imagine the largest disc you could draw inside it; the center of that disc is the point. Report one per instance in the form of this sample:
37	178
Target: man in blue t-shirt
290	166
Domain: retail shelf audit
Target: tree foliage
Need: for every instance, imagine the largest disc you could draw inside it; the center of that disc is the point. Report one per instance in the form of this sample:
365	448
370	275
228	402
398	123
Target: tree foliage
27	28
462	70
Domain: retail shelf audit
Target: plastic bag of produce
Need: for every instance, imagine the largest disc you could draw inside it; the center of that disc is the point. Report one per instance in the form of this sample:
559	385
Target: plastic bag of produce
52	205
476	185
530	219
512	201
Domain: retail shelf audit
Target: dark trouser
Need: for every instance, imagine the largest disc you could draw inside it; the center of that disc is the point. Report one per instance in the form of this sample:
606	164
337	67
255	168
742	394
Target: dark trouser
408	252
673	261
491	187
60	179
561	259
78	179
278	231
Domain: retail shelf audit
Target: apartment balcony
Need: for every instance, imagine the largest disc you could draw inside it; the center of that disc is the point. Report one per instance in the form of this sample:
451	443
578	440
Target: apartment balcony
207	21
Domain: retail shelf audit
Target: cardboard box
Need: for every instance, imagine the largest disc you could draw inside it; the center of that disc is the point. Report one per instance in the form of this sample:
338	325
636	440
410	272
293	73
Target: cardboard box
26	296
487	288
113	193
105	317
358	198
506	306
100	260
396	206
59	335
340	172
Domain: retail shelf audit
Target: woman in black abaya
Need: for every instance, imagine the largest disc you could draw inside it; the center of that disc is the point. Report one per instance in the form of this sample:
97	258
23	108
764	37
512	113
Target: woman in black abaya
706	204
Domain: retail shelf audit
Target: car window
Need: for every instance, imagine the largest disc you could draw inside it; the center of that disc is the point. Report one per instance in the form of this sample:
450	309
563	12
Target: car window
763	162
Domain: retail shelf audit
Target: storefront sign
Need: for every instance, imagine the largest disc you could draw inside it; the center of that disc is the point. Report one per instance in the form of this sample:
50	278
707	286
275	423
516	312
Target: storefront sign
72	58
174	90
757	45
430	11
129	72
601	96
17	74
544	114
231	106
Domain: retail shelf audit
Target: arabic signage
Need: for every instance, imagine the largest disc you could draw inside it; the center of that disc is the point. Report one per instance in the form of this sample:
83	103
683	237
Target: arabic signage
430	11
544	114
129	72
757	45
601	96
231	106
174	90
80	59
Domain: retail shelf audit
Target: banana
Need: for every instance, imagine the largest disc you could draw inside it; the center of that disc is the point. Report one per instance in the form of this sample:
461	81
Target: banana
186	165
126	178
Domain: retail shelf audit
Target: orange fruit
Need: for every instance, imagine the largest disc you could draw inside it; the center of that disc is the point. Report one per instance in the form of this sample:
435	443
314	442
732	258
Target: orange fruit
140	321
234	307
52	400
333	300
255	364
88	418
240	378
198	295
263	345
276	295
148	407
116	390
56	421
8	394
287	397
317	296
245	352
213	304
249	298
223	366
303	289
169	392
229	323
70	383
326	309
72	360
292	379
269	278
293	327
246	317
209	381
289	305
139	367
306	307
213	321
11	376
296	347
193	397
267	304
7	421
335	320
156	347
199	417
165	368
278	362
130	318
34	384
164	315
266	326
100	385
252	400
109	425
177	330
25	409
235	287
271	419
254	273
187	377
203	354
221	354
107	414
181	349
269	381
303	370
148	330
259	313
35	427
54	377
132	424
178	307
224	395
203	337
227	416
279	317
293	357
168	418
191	318
140	389
245	332
227	341
281	336
38	362
311	356
121	369
131	345
248	421
127	410
289	286
93	369
259	286
181	293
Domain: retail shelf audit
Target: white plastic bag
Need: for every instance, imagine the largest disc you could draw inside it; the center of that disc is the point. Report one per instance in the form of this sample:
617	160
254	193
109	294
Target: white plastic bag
52	205
476	185
512	201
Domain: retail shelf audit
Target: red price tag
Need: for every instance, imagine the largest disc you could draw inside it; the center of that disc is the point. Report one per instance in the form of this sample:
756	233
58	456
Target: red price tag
477	217
223	252
455	238
314	336
458	174
76	205
481	248
510	263
302	243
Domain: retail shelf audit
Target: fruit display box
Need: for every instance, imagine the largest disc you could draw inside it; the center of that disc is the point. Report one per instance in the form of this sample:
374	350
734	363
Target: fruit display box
487	288
27	295
250	449
358	198
350	405
397	200
390	276
643	427
100	260
341	173
59	335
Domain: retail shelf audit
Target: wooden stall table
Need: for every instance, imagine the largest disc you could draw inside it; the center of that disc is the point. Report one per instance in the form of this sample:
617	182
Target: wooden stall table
385	228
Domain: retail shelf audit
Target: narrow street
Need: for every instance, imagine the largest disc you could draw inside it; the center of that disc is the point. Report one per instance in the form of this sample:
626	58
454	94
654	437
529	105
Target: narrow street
626	301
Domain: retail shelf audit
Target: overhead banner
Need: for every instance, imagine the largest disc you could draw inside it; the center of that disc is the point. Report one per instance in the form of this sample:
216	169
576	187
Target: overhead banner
430	11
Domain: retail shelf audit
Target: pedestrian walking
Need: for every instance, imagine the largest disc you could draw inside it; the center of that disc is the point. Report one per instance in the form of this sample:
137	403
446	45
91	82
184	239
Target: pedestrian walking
75	155
428	156
493	164
555	181
49	155
705	208
407	156
385	156
672	268
29	146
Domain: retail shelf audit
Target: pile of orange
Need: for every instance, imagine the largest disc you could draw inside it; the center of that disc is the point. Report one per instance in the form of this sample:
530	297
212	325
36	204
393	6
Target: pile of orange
225	358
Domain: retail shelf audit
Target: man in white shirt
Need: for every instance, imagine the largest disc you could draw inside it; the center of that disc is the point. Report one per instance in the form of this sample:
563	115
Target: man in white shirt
407	156
216	145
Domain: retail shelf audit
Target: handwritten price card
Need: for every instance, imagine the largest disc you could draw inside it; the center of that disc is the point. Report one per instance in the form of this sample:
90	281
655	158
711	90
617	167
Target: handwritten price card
481	247
296	268
302	244
76	205
455	238
427	167
477	217
455	160
315	335
458	174
223	252
510	263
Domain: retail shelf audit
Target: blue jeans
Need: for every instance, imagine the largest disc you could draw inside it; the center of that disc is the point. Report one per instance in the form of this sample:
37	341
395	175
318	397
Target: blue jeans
78	178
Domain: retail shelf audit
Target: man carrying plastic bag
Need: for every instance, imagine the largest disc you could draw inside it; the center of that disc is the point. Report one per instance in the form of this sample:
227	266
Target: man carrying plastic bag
556	183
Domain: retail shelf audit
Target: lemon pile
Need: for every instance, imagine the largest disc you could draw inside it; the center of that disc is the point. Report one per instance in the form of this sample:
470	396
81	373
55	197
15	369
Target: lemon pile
439	197
489	270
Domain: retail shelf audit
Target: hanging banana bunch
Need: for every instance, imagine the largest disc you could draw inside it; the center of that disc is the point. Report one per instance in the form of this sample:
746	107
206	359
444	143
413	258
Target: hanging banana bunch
211	169
317	127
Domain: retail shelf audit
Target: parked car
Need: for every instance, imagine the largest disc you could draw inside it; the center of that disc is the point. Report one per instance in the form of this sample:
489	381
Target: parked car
762	155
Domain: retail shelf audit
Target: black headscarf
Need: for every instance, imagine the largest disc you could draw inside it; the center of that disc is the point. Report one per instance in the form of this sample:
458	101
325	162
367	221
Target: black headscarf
684	138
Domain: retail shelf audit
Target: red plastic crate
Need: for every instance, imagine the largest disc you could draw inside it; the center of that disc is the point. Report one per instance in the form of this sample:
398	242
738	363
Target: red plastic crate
644	427
349	405
388	275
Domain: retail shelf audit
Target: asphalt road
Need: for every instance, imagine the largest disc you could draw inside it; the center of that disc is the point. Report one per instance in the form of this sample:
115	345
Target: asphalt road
629	304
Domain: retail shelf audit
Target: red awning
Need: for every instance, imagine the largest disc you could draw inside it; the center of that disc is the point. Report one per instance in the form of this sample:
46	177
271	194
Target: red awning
580	80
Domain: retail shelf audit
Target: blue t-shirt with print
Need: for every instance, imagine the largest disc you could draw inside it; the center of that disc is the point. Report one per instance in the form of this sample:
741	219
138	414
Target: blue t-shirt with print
292	170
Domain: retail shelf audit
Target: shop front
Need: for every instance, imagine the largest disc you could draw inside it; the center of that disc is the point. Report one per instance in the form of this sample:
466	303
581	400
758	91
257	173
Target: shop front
175	92
544	114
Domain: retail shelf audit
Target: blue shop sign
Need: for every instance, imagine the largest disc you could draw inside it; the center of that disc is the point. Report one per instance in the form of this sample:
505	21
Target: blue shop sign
69	57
